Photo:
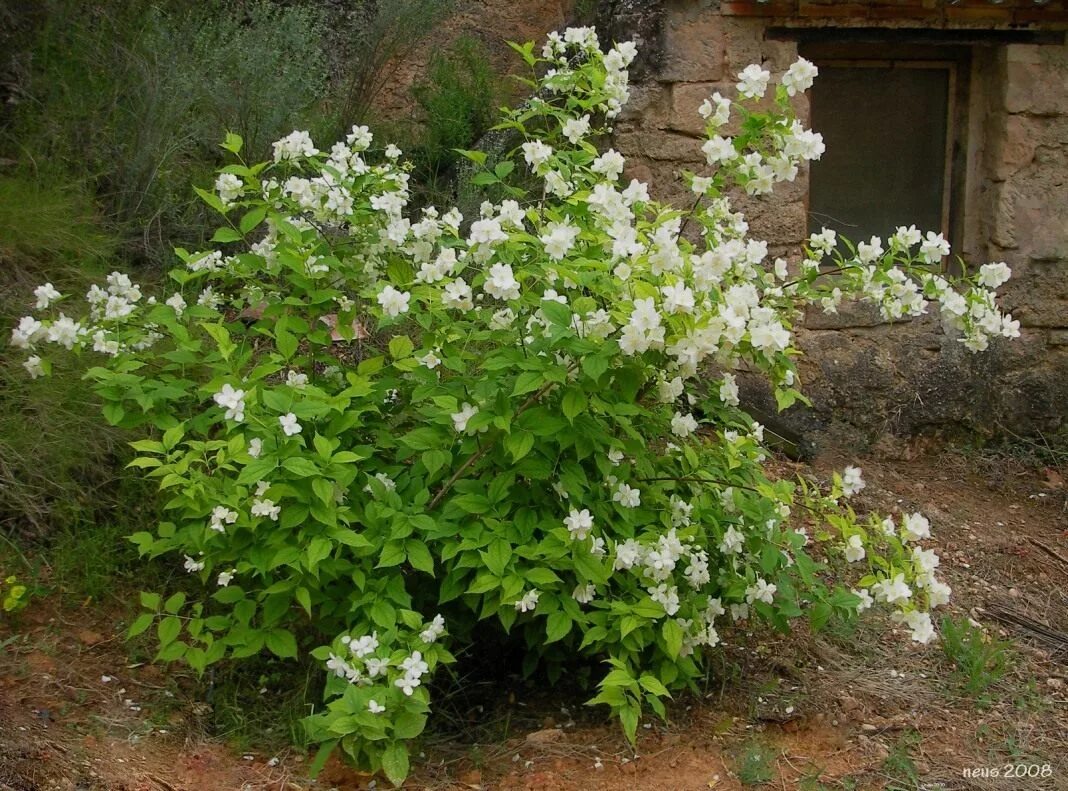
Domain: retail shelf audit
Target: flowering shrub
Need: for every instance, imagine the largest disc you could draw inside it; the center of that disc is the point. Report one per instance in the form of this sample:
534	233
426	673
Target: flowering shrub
375	430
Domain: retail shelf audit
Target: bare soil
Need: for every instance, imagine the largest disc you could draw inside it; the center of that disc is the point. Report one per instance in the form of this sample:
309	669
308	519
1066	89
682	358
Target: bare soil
860	708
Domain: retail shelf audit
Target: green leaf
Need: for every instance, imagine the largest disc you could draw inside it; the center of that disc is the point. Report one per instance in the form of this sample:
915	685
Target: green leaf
594	366
419	556
519	444
557	627
233	143
557	314
281	643
527	382
318	550
819	614
497	555
286	342
150	601
168	630
226	234
574	403
400	347
174	603
478	157
672	633
395	763
252	219
628	716
408	724
434	460
299	466
140	624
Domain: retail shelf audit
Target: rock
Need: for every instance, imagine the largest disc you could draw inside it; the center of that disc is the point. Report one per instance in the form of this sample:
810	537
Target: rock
545	736
471	778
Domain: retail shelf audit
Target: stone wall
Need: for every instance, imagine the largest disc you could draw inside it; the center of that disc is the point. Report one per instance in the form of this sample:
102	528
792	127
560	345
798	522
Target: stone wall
866	377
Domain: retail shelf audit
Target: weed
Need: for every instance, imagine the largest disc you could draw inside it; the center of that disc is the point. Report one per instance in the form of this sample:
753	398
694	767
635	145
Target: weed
259	705
459	102
981	661
900	766
757	763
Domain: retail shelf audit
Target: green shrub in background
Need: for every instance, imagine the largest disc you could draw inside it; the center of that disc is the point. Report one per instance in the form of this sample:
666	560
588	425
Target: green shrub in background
50	233
459	102
128	96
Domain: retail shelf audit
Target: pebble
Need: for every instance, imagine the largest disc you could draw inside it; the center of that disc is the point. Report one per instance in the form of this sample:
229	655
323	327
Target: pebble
545	736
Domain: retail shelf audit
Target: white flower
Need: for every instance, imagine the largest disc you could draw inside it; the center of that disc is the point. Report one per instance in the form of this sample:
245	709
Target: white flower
753	81
392	152
733	541
193	566
627	497
584	594
719	149
461	418
28	331
728	390
852	482
289	424
293	146
559	238
536	153
615	455
528	601
579	523
667	596
229	188
915	527
233	401
866	600
905	238
892	591
266	508
220	517
458	295
64	331
364	646
255	447
394	302
46	294
683	425
762	591
296	379
375	707
177	302
994	275
226	577
575	129
938	592
921	626
430	360
854	550
799	77
610	164
34	367
677	298
501	283
435	630
933	247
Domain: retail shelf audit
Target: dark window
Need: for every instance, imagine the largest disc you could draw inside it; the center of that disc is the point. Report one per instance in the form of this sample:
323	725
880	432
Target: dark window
888	126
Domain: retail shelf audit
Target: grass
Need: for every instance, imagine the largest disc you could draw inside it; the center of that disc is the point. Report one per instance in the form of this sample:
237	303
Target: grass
981	662
756	765
899	764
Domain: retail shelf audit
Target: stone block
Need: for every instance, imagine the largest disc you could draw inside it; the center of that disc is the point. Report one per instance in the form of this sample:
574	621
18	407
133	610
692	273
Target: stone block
693	43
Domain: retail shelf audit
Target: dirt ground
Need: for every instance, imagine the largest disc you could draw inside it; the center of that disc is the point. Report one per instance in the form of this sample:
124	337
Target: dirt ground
859	709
